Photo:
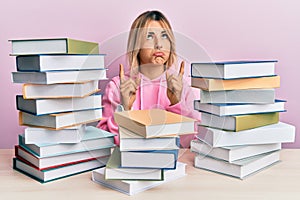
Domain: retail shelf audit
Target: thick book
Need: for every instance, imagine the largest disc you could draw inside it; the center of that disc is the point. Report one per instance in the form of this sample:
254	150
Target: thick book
275	133
60	90
239	108
114	170
61	160
232	153
52	106
255	96
233	69
61	120
41	135
94	138
156	159
239	122
130	141
134	187
53	46
236	84
52	77
53	174
154	122
241	168
40	63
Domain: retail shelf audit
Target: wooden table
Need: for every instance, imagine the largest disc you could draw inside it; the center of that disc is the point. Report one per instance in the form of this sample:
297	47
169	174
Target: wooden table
281	181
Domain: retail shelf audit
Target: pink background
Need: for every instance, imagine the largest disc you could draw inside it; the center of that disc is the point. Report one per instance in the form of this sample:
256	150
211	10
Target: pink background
226	30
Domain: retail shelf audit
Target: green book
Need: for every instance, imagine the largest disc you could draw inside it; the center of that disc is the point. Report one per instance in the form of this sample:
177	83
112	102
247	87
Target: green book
114	171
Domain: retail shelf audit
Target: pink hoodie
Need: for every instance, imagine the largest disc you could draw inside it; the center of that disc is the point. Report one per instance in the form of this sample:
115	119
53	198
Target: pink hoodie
150	94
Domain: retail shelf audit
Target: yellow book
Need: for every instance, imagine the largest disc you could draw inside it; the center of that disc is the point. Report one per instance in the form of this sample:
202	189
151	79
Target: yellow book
236	84
239	122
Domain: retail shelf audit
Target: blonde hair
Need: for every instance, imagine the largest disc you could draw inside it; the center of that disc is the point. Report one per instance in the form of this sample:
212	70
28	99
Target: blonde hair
137	33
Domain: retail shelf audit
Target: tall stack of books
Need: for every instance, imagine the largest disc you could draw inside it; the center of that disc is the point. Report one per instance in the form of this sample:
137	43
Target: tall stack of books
60	96
240	132
148	153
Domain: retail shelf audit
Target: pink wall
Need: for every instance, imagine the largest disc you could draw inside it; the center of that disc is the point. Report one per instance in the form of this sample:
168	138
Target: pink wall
226	30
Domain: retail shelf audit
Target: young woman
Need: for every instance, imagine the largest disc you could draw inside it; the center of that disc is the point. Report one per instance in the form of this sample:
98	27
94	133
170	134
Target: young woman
153	80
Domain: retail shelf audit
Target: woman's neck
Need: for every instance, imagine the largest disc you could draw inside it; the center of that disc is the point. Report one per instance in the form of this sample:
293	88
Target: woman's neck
152	71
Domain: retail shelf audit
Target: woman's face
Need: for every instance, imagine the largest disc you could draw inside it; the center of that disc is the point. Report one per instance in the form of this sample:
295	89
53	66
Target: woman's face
156	46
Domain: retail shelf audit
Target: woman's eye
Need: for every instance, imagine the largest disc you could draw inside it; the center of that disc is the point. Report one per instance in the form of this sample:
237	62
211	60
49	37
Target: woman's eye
164	36
149	37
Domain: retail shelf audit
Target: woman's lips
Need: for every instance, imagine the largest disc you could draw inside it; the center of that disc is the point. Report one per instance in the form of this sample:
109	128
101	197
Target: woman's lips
158	54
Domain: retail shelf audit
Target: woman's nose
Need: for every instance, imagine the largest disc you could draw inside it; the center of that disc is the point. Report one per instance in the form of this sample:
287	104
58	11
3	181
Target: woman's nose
158	43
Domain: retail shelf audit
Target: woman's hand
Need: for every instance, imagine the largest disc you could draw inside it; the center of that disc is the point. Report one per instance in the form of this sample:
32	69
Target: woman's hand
128	89
175	85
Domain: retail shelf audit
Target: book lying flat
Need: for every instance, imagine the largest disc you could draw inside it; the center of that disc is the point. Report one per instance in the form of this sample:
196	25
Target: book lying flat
114	170
236	84
239	108
41	135
258	96
42	63
60	90
51	106
60	160
239	122
53	46
154	122
52	77
134	187
130	141
94	138
53	174
232	153
156	159
241	168
275	133
61	120
233	69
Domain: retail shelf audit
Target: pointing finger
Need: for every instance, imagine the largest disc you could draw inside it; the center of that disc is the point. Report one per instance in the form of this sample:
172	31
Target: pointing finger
121	73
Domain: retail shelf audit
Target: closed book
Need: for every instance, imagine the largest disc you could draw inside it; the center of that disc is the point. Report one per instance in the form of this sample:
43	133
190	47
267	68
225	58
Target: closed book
130	141
239	122
53	46
61	120
236	84
241	168
232	153
94	138
52	77
51	106
61	160
41	135
156	159
53	174
233	69
40	63
114	170
154	122
134	187
275	133
256	96
239	108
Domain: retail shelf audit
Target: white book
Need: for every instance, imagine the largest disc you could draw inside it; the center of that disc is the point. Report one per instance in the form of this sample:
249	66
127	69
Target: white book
60	62
60	90
241	168
239	108
129	141
275	133
41	135
51	106
60	120
52	77
232	153
233	69
134	187
258	96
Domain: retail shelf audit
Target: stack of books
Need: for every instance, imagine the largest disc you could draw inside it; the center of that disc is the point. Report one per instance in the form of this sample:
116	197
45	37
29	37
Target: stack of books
148	152
240	132
60	96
